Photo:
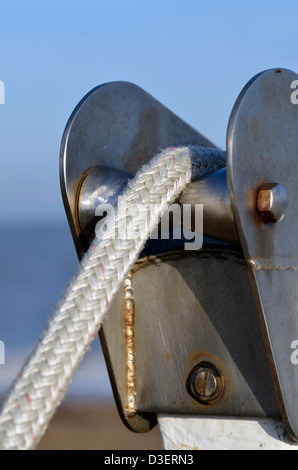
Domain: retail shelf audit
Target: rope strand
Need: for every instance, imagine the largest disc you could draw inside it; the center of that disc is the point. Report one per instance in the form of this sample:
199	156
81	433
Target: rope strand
41	385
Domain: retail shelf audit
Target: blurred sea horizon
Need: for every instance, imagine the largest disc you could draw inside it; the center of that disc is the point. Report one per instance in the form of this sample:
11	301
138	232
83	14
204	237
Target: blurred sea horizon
37	263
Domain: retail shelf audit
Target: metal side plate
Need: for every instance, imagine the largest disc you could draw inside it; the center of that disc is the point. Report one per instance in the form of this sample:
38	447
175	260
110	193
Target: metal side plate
117	125
121	126
192	307
262	147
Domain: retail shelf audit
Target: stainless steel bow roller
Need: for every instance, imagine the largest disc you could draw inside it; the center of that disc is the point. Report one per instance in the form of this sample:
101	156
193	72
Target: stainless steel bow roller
211	331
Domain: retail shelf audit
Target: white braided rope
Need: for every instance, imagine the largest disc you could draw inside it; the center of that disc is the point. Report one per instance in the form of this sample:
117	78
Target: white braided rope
49	370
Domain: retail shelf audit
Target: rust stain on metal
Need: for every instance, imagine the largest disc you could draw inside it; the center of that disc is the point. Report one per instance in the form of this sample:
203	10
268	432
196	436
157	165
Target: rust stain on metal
145	262
139	423
259	199
265	201
181	446
135	420
129	322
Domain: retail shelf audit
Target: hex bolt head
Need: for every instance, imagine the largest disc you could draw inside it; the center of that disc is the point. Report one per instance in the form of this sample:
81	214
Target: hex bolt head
272	202
205	384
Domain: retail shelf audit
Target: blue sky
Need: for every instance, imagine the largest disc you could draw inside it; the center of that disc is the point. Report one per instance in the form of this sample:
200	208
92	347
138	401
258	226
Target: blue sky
193	56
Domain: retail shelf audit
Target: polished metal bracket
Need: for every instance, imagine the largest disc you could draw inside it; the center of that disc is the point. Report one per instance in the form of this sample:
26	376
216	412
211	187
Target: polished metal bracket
262	159
192	325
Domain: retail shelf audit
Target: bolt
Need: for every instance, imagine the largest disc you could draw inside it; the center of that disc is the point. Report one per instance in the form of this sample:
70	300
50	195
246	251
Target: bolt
205	383
272	202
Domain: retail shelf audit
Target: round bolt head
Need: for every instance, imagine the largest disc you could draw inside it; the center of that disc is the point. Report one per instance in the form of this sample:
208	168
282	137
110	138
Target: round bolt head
272	202
205	383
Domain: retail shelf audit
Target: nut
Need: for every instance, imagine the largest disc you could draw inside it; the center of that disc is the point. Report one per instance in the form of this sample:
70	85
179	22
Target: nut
272	202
